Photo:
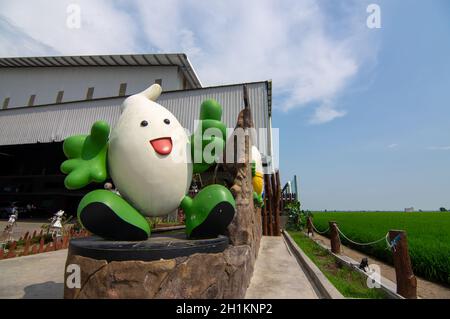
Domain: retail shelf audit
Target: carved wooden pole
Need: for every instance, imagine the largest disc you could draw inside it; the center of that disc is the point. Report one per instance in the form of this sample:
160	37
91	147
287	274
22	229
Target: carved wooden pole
334	238
406	281
275	206
278	197
240	168
269	208
264	217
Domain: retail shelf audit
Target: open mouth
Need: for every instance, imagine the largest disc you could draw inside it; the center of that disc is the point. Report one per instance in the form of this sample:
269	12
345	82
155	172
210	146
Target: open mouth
162	146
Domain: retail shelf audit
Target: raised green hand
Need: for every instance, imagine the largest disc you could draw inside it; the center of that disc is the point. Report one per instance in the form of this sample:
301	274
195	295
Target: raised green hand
206	139
86	157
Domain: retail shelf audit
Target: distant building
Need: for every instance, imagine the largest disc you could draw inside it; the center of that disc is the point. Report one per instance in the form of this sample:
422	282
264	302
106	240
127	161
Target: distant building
409	210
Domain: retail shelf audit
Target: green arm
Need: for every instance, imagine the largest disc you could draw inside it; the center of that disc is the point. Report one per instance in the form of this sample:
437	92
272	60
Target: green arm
87	157
209	139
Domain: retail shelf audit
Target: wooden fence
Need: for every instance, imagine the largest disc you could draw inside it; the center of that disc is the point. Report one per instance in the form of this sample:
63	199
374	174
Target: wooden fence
272	205
398	243
35	244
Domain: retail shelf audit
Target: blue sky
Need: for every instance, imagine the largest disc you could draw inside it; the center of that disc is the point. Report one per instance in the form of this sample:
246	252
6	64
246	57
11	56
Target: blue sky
390	151
363	113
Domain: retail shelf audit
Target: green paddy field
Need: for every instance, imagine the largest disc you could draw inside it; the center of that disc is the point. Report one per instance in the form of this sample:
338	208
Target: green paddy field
428	237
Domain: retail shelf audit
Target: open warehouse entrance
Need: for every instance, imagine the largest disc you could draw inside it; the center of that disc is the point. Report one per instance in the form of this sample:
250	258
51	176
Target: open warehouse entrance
31	181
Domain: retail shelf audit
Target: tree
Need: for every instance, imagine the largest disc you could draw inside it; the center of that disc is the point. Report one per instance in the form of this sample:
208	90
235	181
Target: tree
442	209
296	217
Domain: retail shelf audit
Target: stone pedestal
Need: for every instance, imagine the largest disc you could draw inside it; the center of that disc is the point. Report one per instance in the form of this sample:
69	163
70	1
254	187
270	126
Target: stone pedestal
219	275
223	274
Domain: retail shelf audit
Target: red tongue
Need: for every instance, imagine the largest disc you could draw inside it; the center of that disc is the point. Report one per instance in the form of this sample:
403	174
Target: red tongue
162	146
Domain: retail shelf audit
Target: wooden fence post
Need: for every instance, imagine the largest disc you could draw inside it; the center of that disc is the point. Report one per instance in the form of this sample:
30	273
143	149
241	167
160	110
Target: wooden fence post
41	245
406	281
268	195
309	226
276	202
26	249
12	250
334	238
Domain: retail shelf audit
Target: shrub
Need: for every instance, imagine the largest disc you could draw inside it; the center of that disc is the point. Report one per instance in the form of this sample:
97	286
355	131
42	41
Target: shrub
296	217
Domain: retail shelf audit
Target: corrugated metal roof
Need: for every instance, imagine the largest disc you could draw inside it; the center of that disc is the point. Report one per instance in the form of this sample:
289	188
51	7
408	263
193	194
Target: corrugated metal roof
44	124
173	59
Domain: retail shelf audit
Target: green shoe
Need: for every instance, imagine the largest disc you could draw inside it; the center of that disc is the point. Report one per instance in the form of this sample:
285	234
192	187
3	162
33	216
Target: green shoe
209	213
109	216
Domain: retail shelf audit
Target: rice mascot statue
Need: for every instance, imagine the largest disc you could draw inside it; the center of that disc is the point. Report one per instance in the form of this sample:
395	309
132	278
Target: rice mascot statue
148	157
257	177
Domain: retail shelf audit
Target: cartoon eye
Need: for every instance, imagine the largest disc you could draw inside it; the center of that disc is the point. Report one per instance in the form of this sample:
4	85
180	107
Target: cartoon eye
144	123
167	121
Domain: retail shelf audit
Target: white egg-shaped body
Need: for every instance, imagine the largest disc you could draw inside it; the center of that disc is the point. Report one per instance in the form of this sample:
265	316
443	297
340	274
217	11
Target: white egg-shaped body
149	155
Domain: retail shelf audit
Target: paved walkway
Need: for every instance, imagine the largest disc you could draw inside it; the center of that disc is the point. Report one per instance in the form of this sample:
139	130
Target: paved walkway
277	274
36	276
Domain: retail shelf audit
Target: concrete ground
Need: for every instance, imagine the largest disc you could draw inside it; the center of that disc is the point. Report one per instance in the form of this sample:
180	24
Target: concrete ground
277	274
38	276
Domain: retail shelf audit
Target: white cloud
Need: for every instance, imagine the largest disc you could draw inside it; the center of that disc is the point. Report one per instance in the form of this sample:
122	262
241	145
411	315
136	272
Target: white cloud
231	41
439	148
325	113
393	145
14	41
105	28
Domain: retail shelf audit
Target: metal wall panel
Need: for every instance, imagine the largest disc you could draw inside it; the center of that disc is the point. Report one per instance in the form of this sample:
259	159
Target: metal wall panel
45	124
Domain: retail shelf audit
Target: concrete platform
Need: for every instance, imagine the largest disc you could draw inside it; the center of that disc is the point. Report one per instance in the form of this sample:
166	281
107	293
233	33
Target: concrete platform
38	276
277	274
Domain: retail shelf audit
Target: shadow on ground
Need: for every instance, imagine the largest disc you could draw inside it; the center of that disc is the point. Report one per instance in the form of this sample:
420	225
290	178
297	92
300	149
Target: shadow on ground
45	290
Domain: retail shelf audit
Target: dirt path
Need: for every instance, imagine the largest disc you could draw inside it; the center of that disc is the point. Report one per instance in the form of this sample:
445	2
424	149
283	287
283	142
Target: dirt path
425	288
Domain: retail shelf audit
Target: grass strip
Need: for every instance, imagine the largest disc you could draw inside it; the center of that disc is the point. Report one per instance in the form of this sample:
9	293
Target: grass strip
350	284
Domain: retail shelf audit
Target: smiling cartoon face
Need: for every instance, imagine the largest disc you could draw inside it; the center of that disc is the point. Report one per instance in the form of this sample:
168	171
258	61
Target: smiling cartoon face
149	158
